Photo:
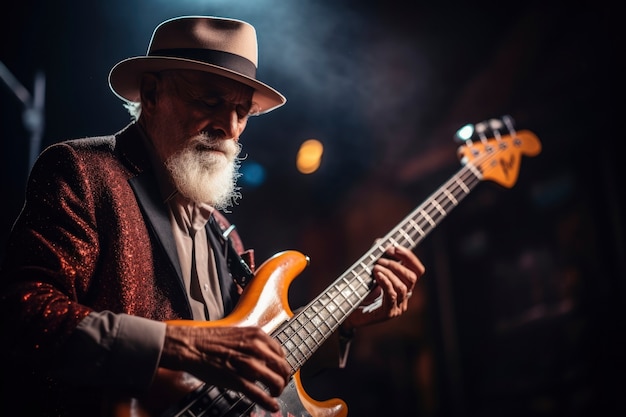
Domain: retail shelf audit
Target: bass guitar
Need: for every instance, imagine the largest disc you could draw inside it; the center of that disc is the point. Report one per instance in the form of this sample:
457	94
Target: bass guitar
264	301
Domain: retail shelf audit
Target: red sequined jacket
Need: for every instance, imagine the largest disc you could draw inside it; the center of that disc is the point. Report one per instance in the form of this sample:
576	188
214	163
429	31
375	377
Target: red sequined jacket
93	234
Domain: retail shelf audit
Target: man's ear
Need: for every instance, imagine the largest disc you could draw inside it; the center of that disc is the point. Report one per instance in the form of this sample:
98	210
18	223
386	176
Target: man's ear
148	85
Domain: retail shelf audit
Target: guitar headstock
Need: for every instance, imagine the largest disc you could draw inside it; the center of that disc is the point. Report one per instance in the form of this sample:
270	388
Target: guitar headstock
495	148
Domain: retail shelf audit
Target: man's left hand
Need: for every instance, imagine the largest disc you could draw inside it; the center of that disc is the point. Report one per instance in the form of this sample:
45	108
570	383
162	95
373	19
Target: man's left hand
396	274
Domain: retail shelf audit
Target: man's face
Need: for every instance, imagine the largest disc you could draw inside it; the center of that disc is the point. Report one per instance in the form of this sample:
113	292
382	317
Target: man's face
195	126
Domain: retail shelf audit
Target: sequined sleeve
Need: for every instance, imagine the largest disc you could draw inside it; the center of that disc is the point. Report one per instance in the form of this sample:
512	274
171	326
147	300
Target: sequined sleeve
51	253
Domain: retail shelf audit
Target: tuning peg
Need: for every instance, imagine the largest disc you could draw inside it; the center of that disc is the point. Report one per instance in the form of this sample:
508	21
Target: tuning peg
509	123
484	130
495	124
471	132
465	133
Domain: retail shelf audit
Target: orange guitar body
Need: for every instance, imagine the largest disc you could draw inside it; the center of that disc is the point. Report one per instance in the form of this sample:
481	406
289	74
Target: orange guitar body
263	303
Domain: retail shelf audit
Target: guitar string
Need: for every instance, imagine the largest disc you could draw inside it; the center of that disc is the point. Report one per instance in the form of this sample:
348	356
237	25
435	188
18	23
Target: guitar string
425	210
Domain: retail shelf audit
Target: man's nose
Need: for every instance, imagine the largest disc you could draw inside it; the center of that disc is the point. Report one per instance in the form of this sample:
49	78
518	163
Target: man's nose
228	122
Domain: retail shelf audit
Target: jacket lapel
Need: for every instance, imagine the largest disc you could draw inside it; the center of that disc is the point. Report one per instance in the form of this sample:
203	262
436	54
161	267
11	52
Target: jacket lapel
131	149
148	197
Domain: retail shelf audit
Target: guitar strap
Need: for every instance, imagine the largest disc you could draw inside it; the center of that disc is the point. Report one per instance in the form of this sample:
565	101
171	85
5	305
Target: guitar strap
241	270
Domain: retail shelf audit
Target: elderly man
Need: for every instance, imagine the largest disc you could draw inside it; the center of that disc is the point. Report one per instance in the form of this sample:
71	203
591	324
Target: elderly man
120	253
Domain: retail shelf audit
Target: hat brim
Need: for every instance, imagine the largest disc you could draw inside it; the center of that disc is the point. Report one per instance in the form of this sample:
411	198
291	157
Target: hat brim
125	76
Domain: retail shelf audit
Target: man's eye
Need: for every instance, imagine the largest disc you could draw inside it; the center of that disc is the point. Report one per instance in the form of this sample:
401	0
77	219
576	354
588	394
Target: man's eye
212	103
243	111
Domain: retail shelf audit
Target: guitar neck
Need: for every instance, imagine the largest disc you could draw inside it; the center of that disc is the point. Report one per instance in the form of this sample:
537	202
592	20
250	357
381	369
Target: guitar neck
315	323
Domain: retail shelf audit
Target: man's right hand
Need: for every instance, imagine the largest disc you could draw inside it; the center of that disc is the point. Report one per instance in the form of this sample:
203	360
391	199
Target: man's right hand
236	358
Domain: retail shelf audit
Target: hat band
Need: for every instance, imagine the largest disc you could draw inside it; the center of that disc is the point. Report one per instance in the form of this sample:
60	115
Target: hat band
223	59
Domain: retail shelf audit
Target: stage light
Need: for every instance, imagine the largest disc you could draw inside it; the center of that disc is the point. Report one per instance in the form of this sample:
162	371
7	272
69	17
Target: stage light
252	173
309	156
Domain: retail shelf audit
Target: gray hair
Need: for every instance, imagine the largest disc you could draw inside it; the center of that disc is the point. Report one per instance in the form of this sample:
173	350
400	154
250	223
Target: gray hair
134	109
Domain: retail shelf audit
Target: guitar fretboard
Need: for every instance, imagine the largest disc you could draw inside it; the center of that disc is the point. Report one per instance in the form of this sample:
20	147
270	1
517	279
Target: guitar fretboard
309	328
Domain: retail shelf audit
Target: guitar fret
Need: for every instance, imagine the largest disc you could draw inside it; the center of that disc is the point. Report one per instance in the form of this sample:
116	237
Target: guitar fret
352	297
311	342
285	335
297	360
353	292
365	284
335	318
341	289
352	304
430	220
328	309
450	196
300	349
297	341
294	348
407	237
317	319
366	268
346	300
417	227
462	185
438	207
350	289
320	318
475	171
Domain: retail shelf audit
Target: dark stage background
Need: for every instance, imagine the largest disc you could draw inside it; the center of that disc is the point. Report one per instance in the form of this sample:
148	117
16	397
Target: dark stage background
521	311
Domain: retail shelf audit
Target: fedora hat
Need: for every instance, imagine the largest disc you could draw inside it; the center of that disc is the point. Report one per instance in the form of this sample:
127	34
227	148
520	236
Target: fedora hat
226	47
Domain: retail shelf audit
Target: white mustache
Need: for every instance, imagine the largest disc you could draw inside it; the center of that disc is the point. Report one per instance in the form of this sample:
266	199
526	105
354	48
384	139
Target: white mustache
229	147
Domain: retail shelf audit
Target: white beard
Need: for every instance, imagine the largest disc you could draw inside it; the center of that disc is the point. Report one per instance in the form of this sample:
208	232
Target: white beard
205	176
